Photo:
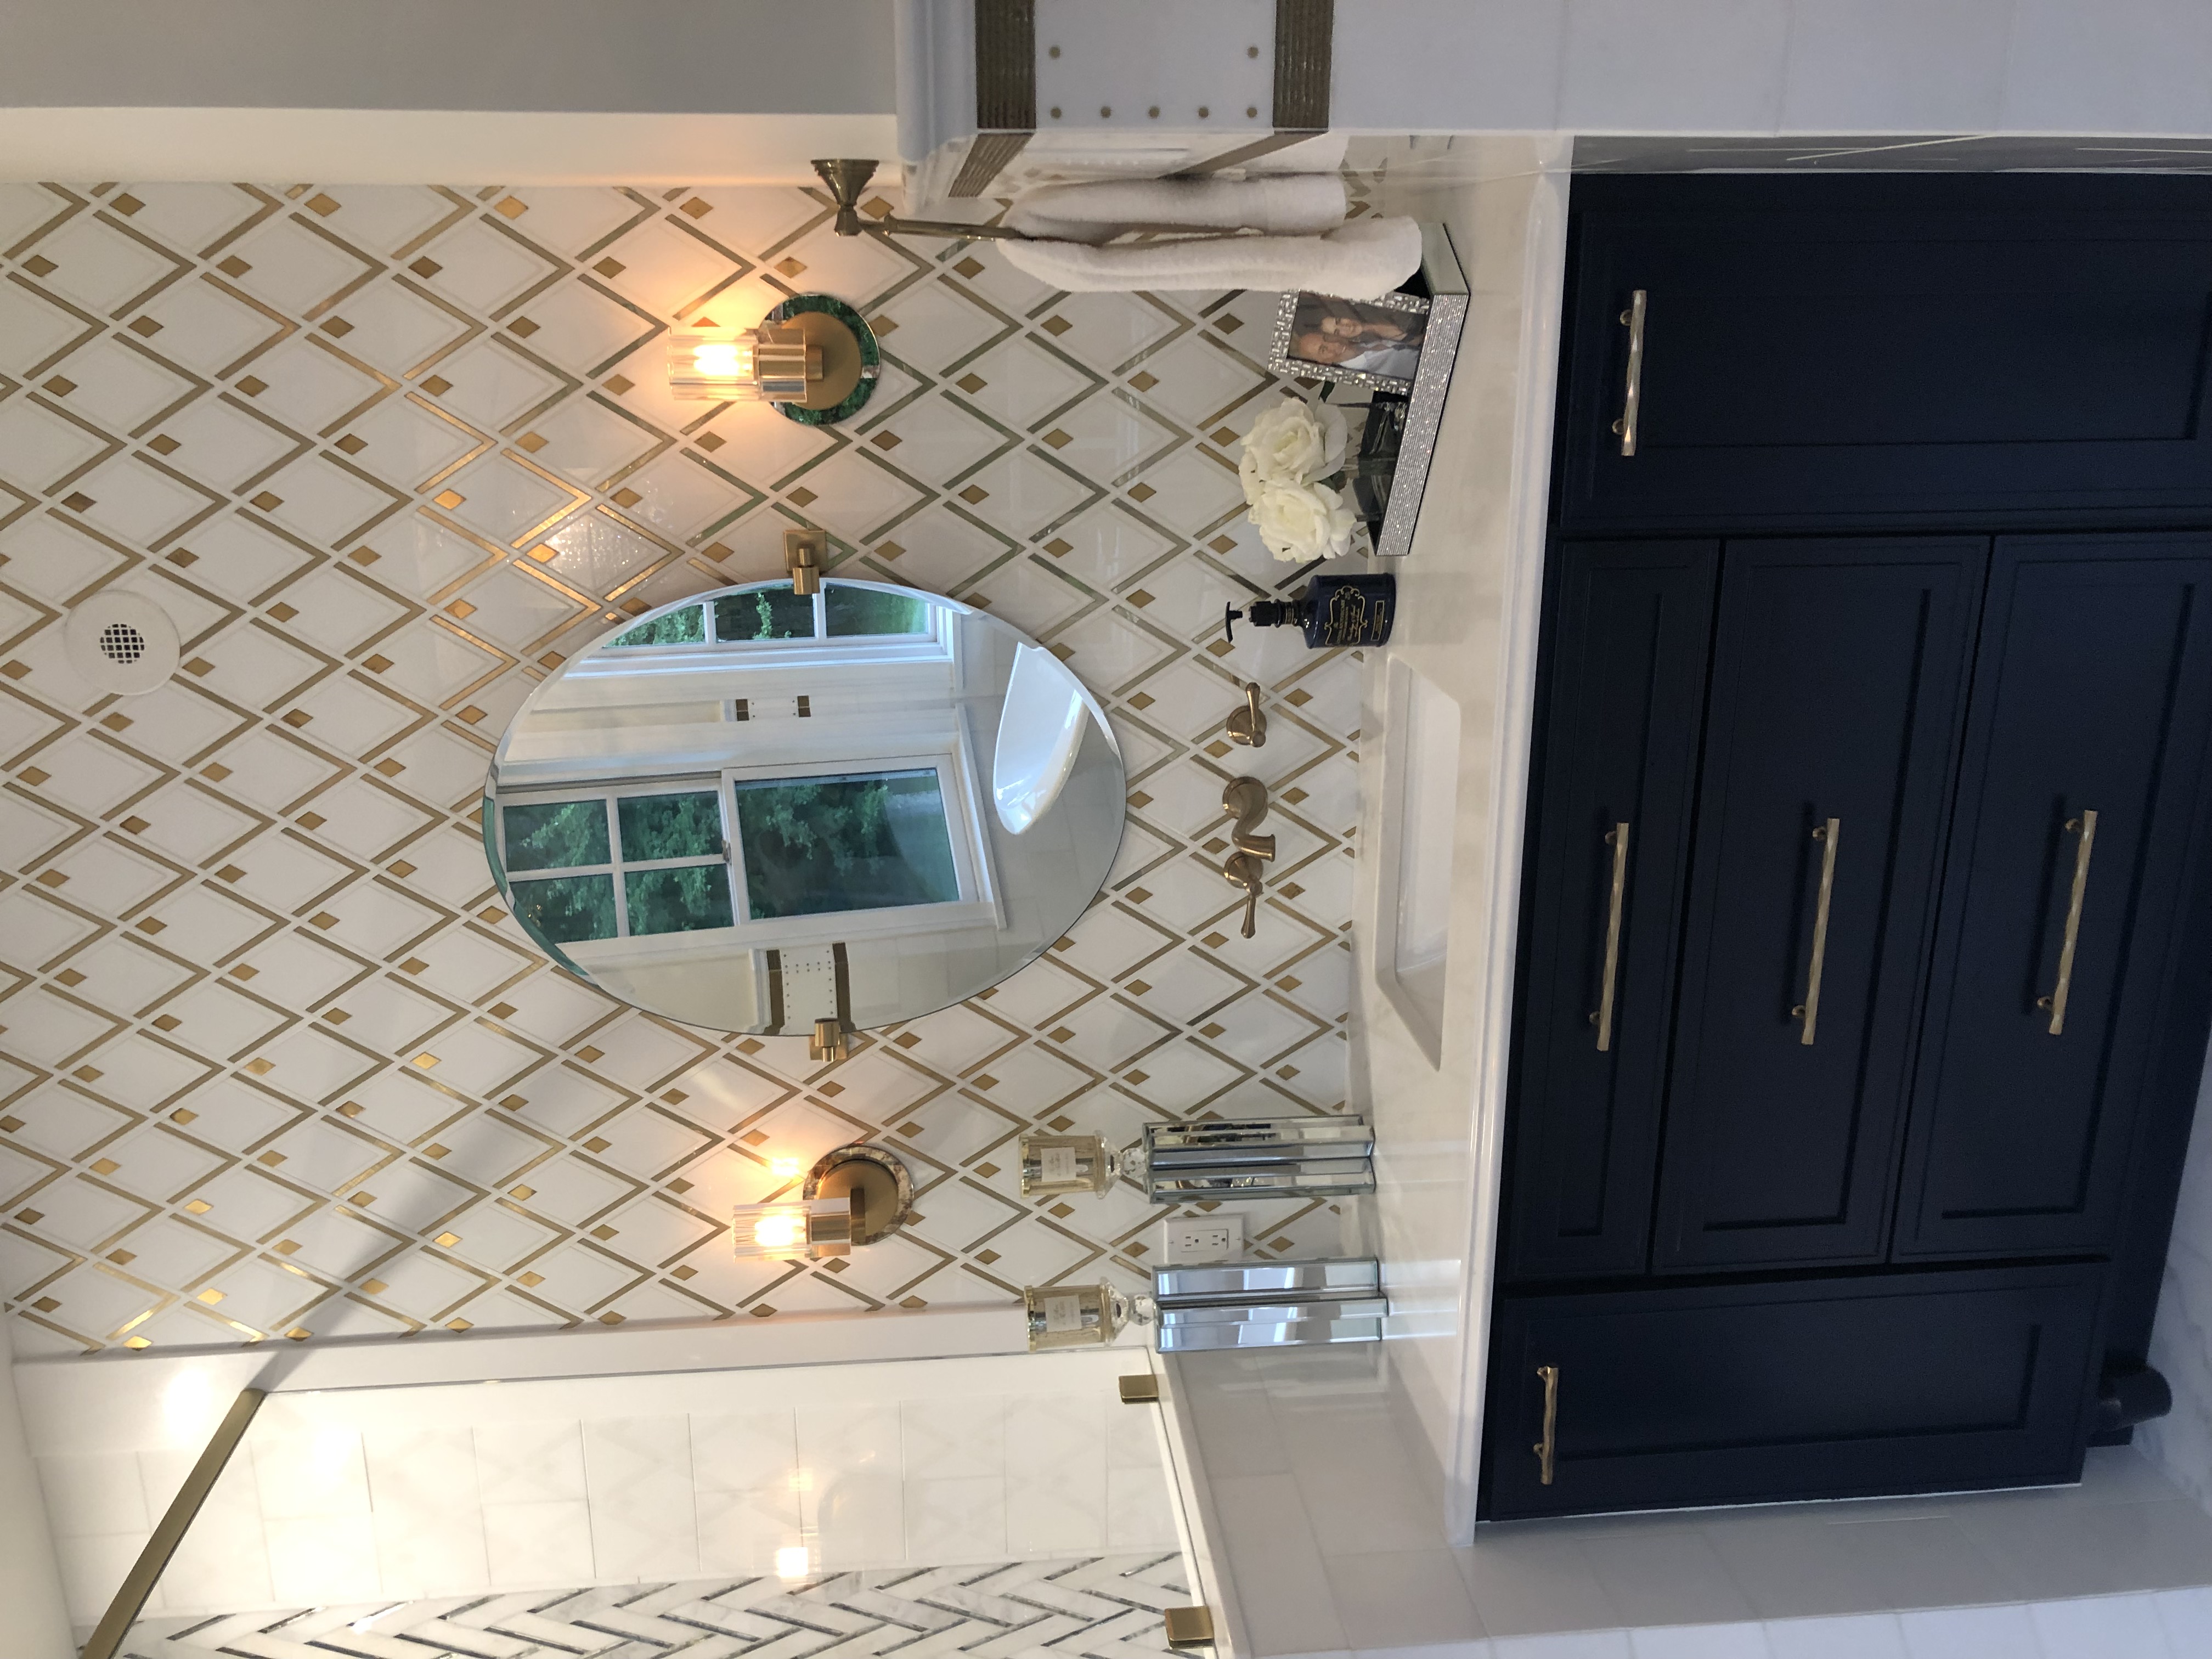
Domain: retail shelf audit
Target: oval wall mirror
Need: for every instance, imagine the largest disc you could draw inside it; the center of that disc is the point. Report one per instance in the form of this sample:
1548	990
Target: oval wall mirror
757	809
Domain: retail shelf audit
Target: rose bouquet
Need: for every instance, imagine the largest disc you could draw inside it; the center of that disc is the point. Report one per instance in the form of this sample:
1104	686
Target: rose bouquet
1292	447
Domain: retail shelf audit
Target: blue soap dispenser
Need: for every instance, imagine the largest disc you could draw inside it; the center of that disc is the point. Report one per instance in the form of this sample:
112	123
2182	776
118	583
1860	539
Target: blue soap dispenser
1331	611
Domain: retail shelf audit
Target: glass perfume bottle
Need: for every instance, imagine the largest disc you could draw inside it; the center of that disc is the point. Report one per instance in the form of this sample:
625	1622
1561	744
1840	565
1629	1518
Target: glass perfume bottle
1080	1316
1076	1163
1355	608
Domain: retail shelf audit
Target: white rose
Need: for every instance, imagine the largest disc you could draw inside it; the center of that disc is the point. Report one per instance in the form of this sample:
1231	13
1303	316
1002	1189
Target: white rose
1291	443
1304	521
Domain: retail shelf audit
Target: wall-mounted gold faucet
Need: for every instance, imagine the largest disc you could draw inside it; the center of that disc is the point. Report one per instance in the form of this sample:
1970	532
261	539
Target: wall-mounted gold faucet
1248	725
1246	800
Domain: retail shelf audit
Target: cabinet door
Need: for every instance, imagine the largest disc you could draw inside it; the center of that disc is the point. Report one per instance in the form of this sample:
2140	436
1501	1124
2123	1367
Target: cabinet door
1838	679
2079	845
1889	351
1625	674
1932	1382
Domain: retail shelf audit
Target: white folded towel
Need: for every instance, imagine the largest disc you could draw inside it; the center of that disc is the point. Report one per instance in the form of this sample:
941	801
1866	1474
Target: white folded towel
1294	205
1360	261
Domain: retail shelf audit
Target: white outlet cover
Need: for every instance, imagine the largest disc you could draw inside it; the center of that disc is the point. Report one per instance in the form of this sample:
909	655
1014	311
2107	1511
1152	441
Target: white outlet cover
1216	1237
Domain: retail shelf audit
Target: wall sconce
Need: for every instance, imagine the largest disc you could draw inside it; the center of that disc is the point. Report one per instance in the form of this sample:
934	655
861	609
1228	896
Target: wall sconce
853	1195
813	358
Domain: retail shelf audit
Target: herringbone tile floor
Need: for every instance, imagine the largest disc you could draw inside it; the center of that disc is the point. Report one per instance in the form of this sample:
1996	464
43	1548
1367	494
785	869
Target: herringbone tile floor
1104	1607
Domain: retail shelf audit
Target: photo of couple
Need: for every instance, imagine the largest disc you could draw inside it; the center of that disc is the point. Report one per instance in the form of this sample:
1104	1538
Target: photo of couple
1350	335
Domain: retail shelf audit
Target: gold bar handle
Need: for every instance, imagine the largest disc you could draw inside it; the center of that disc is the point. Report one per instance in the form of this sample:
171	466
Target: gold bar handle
1632	321
2085	828
1809	1009
1617	839
1544	1447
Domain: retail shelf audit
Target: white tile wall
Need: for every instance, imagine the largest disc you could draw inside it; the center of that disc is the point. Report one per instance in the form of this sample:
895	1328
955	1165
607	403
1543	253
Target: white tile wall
386	453
354	1495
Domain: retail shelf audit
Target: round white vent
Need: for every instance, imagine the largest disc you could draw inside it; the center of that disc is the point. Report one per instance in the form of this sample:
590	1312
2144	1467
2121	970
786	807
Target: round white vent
121	642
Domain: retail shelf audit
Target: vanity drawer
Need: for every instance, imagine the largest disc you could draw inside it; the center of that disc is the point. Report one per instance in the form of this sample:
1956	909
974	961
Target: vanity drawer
1834	1387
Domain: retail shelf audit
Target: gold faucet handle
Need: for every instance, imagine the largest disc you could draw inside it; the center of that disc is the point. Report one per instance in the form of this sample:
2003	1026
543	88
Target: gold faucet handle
1248	725
1242	870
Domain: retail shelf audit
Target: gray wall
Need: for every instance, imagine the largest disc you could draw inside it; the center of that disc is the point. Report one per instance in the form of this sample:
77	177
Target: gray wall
823	57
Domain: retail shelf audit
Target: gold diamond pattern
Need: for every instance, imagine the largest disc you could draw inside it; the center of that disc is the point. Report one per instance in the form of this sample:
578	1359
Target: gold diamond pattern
291	824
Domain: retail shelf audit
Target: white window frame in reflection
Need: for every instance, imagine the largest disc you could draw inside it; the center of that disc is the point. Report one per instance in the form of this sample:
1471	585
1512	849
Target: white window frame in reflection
979	902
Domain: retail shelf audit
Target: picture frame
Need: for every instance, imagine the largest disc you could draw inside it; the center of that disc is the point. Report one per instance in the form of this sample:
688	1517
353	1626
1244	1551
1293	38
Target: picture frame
1375	345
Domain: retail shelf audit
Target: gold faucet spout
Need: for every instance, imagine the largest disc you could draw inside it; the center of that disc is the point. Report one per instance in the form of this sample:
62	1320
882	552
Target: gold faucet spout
1246	800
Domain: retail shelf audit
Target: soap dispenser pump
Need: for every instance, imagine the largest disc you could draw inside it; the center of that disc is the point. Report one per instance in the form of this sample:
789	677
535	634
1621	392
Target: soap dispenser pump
1331	611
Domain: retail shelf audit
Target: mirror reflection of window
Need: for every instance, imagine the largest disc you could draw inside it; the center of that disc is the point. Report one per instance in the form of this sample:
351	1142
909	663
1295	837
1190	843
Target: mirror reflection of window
684	627
747	773
764	613
858	840
772	613
658	868
871	611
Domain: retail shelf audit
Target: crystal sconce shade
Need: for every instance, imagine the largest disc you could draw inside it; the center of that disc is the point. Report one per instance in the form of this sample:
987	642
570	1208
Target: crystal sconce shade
768	364
799	1229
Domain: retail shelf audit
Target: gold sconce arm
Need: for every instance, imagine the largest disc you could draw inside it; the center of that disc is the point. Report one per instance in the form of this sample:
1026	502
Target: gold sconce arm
804	551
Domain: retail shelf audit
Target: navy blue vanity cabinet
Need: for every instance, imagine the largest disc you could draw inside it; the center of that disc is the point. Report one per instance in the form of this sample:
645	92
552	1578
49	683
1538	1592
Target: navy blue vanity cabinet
1827	1387
2074	938
1891	641
1838	685
1887	351
1628	638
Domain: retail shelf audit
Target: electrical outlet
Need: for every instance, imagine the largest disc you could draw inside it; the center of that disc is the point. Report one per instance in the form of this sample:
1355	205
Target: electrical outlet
1202	1238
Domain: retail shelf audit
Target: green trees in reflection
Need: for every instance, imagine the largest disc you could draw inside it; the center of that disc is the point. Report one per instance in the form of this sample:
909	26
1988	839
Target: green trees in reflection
860	842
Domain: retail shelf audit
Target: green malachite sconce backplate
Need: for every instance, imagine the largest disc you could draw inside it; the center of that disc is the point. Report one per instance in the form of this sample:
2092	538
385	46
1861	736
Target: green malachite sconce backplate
872	360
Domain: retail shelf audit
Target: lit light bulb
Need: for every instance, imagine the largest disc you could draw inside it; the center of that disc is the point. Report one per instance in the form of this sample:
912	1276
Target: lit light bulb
791	1562
780	1232
784	1169
721	360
